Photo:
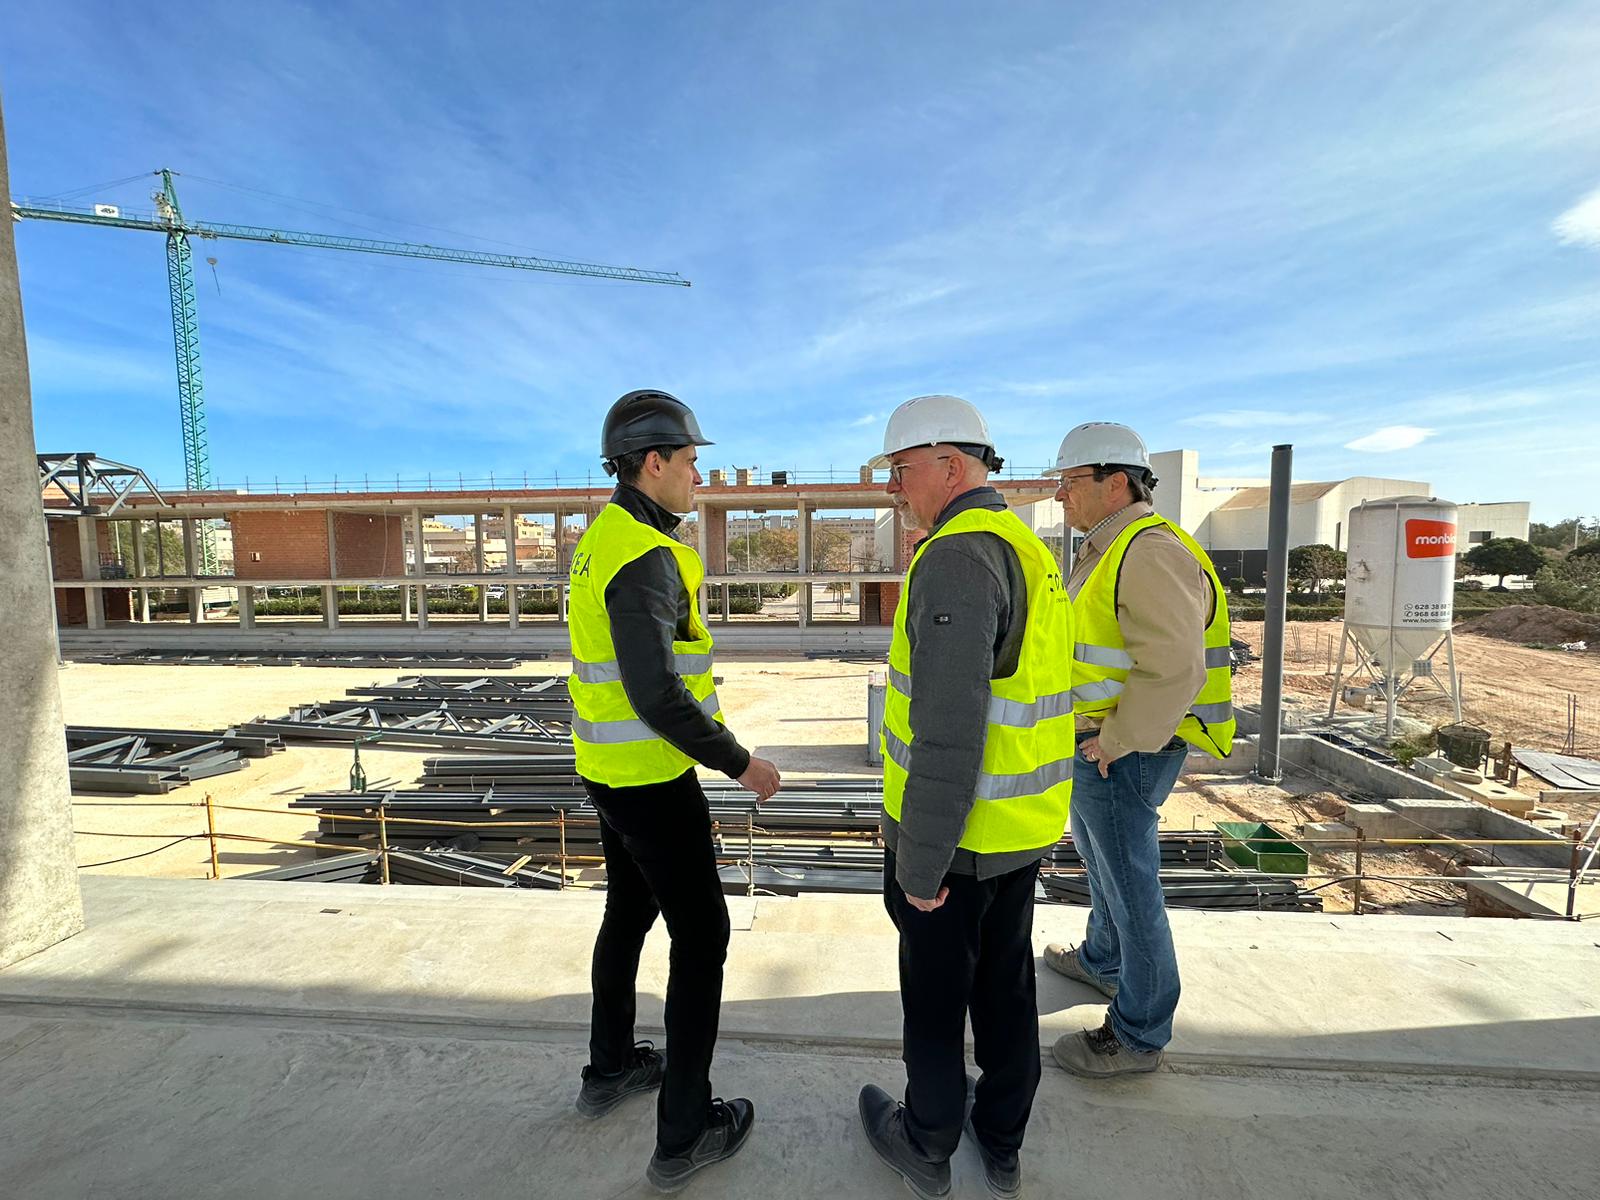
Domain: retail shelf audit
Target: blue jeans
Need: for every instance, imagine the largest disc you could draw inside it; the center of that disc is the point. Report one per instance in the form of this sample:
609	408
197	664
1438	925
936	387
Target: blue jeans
1128	939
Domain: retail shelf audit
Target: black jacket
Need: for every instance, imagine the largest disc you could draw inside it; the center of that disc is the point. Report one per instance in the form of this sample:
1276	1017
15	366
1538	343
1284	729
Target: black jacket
649	608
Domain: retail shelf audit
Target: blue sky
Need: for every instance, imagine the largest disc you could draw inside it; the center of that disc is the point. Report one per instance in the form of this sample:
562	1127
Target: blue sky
1367	229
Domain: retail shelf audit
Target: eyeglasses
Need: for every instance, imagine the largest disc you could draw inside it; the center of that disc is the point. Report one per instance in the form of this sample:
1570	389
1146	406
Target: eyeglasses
897	473
1069	480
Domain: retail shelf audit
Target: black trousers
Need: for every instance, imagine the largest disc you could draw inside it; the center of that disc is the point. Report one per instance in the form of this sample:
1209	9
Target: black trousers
659	859
971	956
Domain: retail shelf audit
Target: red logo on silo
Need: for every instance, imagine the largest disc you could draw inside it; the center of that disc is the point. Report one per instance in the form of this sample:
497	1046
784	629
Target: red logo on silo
1430	539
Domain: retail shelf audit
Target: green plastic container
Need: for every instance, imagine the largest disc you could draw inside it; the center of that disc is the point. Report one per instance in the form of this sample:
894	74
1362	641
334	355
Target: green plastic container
1262	848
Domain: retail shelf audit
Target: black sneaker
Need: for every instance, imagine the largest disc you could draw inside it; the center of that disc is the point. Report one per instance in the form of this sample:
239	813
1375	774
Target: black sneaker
601	1093
1004	1180
725	1135
883	1119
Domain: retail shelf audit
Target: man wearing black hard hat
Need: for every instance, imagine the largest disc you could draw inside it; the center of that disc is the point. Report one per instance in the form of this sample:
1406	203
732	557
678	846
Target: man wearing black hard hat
645	714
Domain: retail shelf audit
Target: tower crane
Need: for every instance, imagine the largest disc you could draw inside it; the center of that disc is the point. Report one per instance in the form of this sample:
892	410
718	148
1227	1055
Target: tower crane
168	218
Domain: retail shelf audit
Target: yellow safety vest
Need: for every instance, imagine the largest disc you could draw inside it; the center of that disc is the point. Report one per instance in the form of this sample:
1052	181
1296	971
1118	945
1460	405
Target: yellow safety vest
1101	662
614	745
1025	783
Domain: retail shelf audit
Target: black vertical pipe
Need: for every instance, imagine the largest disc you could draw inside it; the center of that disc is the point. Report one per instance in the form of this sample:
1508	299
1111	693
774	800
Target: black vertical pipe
1268	765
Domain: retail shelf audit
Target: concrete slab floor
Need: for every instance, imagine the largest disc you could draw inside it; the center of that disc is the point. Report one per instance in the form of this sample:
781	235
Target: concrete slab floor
1487	999
135	1105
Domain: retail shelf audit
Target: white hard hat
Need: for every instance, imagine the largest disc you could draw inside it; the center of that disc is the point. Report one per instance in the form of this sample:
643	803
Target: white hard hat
932	420
1101	443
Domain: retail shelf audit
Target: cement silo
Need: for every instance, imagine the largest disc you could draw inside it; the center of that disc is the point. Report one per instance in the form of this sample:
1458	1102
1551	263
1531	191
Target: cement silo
1399	595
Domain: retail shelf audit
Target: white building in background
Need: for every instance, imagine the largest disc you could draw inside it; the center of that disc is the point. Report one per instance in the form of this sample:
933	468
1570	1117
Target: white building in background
1228	516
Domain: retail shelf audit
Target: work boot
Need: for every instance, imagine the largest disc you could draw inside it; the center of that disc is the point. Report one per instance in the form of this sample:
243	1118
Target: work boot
1003	1175
1097	1054
1063	960
725	1134
884	1120
601	1093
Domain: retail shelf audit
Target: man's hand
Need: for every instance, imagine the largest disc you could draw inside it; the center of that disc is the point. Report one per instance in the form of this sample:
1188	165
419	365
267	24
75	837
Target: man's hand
760	777
1091	752
928	905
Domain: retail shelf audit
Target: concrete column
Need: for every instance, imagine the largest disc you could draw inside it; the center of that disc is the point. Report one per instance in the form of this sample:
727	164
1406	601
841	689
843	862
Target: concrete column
727	603
191	568
330	593
139	569
39	901
802	522
419	567
700	540
508	518
405	603
247	608
89	554
563	551
483	588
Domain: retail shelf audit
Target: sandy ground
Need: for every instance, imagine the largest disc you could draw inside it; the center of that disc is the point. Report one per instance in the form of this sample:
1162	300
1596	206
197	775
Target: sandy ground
807	716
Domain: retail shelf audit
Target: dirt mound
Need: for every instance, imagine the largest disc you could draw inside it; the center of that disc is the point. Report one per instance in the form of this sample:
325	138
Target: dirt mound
1535	623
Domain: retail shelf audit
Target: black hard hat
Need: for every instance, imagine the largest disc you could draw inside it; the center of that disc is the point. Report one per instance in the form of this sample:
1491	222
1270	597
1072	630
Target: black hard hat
646	419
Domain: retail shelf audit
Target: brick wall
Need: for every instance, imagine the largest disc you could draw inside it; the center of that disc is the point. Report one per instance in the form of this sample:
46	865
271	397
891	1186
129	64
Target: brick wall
289	545
369	544
716	520
67	563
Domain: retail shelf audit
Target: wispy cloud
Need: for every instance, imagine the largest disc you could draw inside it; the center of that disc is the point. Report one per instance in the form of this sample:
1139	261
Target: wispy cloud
866	421
1390	438
1580	224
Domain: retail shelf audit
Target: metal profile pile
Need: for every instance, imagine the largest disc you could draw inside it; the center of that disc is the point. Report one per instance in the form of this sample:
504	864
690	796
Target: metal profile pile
153	761
1220	889
313	658
459	725
816	836
437	867
539	690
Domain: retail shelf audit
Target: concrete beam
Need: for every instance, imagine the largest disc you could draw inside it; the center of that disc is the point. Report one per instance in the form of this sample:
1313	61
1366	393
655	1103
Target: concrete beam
39	900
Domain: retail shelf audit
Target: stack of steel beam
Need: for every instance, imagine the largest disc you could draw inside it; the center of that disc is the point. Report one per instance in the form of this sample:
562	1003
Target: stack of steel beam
359	866
152	761
500	772
1220	889
460	725
441	866
434	866
517	689
1201	848
314	658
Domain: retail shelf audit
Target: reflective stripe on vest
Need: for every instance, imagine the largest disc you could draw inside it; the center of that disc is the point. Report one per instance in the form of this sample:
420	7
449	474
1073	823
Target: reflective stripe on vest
991	786
1023	788
610	672
633	729
1102	662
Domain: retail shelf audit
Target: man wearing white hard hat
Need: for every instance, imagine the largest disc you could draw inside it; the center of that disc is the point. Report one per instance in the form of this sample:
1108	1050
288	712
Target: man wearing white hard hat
978	762
1150	680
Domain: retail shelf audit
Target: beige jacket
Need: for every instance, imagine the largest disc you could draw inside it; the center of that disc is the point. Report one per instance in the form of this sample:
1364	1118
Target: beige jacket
1164	604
